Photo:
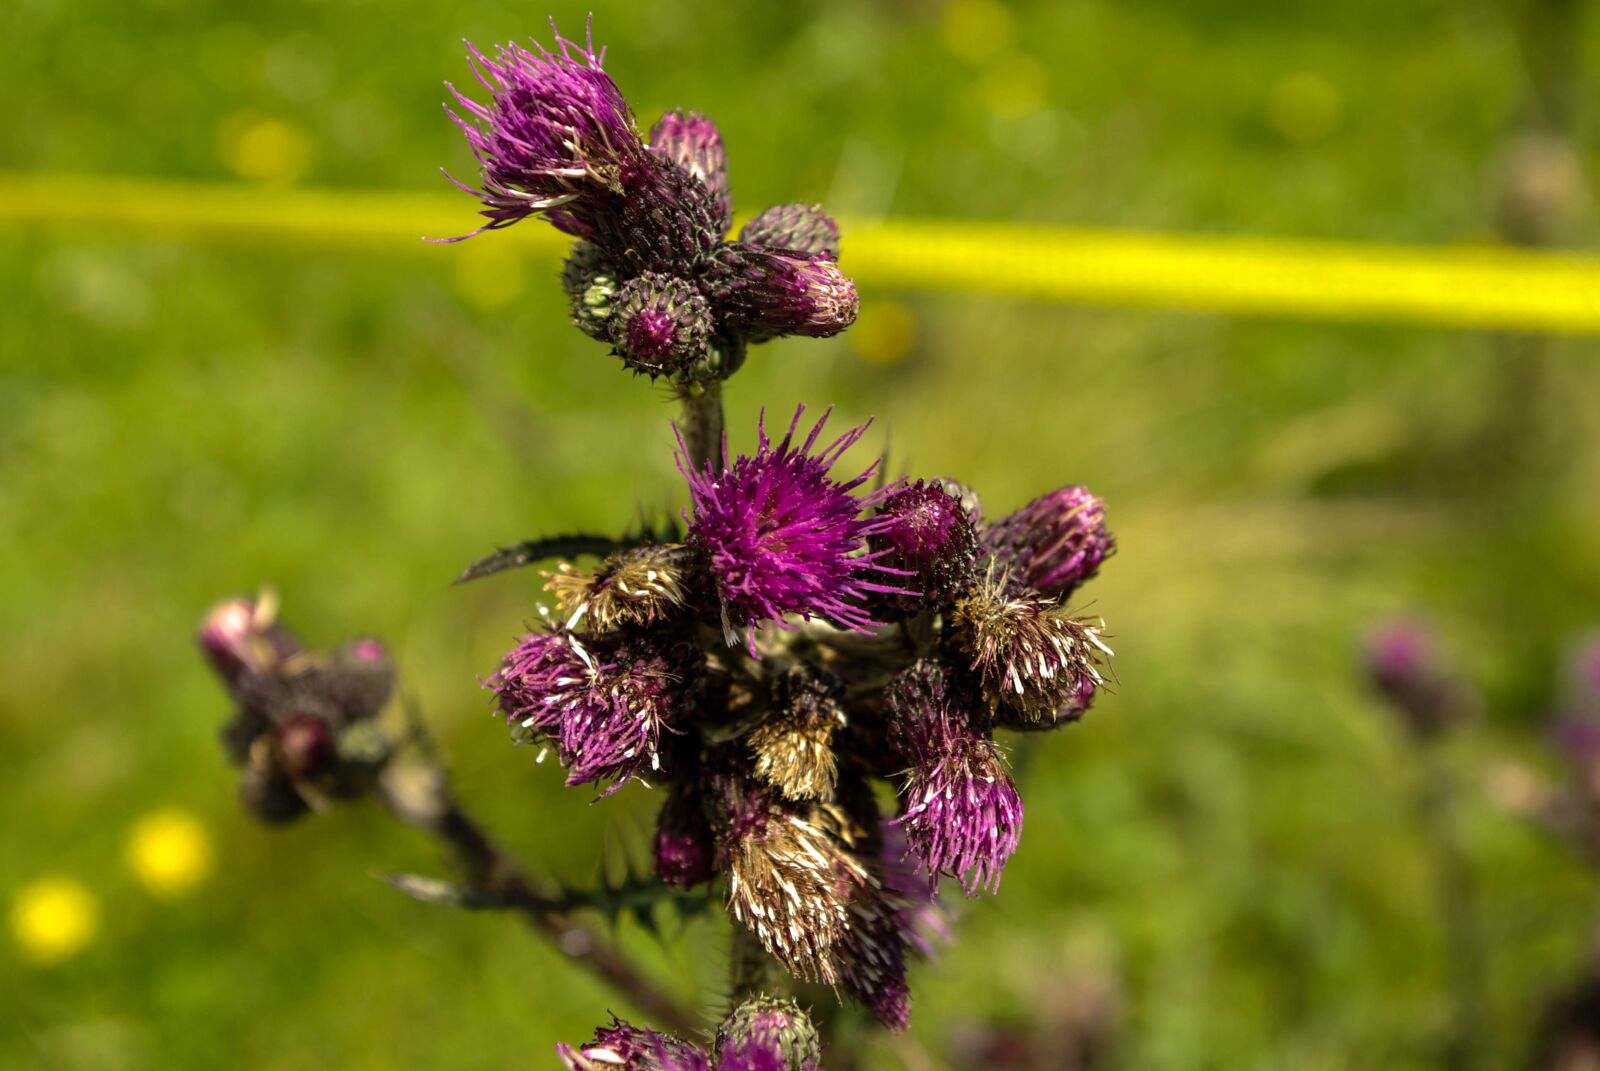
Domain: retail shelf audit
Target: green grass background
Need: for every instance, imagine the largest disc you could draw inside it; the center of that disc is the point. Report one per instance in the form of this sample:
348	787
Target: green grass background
1229	837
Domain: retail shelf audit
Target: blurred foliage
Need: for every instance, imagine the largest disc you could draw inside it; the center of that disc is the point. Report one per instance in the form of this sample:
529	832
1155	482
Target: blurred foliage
1230	836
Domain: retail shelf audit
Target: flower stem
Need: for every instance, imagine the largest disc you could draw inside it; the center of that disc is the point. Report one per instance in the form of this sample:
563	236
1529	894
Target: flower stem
419	795
702	422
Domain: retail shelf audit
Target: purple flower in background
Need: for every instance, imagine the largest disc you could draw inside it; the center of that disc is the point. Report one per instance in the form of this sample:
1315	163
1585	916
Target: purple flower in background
781	536
922	920
1403	663
961	813
1054	543
602	702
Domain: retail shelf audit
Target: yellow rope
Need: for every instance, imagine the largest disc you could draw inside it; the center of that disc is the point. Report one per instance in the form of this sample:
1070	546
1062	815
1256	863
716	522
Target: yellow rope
1481	287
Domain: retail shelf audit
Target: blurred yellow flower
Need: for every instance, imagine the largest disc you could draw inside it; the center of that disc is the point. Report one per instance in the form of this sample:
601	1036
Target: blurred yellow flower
976	30
1305	107
170	852
885	332
54	918
265	149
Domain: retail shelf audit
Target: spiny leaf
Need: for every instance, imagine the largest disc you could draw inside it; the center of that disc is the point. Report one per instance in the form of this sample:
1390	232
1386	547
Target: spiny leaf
562	546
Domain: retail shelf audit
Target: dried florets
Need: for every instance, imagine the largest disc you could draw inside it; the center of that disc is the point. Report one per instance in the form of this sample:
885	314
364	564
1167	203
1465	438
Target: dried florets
793	745
781	536
1054	543
603	703
961	812
639	586
1034	659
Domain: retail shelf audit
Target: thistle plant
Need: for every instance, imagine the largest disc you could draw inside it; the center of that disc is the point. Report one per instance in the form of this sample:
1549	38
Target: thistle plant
806	629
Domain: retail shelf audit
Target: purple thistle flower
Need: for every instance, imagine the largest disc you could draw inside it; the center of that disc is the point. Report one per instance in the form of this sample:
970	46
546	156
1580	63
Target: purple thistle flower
1403	663
781	536
243	642
625	1047
962	813
931	538
1054	543
557	131
693	142
603	703
798	228
766	293
767	1034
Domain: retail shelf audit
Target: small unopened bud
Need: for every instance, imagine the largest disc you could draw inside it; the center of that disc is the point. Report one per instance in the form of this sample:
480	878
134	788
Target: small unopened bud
269	795
306	745
767	293
931	537
693	142
240	638
591	285
799	228
1054	543
684	852
660	325
767	1032
360	678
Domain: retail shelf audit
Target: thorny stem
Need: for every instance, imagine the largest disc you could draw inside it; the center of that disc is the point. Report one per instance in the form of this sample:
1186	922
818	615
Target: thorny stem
702	422
1453	892
419	795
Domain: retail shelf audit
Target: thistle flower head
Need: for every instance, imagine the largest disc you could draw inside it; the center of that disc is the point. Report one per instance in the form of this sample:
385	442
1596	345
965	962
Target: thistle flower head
602	703
793	746
640	586
1054	543
767	293
242	640
625	1047
693	142
305	745
556	131
781	536
767	1034
660	325
684	853
790	872
962	814
1404	665
1034	660
931	538
796	228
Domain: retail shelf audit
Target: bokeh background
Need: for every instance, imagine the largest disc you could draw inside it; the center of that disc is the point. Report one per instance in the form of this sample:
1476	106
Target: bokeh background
1224	859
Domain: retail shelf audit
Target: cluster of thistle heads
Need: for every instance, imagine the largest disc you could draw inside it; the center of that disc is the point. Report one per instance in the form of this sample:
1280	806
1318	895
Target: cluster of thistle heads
806	634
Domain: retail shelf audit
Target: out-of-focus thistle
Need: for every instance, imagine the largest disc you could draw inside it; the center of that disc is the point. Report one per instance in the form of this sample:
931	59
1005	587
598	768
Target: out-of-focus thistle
653	272
302	732
1403	664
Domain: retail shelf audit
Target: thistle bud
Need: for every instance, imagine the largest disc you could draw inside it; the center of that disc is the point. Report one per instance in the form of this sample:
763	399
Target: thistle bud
305	746
1403	663
793	747
1035	661
1054	543
591	284
661	326
684	852
767	293
240	638
693	142
797	228
360	678
965	495
639	586
931	537
777	1027
269	795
